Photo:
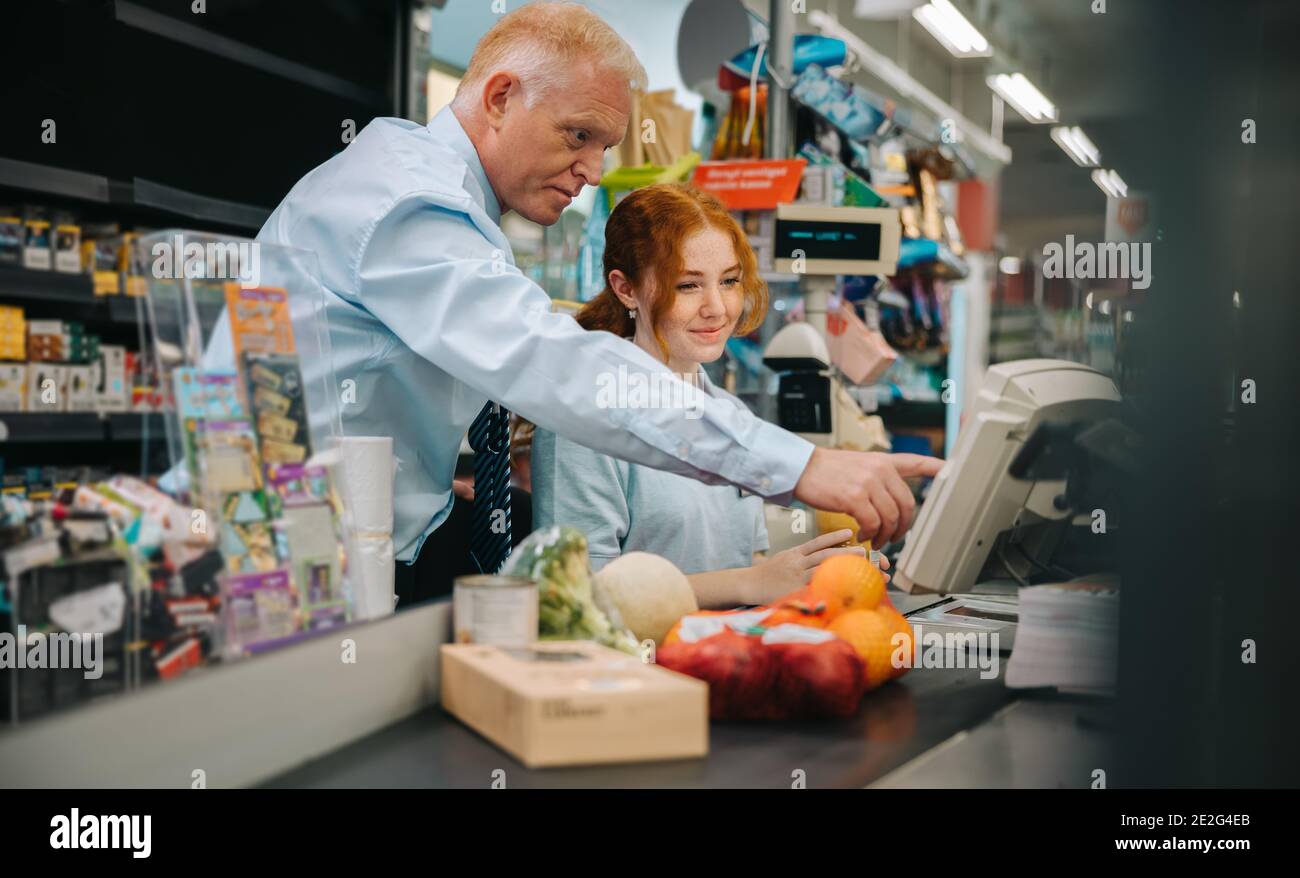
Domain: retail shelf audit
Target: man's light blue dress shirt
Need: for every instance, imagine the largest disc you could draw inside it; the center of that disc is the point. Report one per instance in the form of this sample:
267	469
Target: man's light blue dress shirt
430	317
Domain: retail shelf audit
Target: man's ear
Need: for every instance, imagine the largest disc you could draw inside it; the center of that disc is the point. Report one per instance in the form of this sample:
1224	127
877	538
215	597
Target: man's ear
499	89
622	288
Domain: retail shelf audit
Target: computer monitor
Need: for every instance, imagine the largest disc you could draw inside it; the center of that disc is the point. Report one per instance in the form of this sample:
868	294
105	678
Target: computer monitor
974	499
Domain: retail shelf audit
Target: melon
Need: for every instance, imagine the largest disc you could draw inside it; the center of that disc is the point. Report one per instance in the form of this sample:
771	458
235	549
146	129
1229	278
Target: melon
648	591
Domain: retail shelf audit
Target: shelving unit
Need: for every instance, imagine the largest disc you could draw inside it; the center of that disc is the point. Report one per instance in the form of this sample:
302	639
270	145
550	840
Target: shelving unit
161	202
40	427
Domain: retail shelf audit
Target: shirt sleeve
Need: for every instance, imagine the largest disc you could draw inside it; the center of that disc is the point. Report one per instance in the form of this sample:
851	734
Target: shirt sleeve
581	488
442	287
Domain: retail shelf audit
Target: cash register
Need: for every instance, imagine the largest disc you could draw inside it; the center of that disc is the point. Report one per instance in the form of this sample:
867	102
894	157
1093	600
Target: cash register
1019	500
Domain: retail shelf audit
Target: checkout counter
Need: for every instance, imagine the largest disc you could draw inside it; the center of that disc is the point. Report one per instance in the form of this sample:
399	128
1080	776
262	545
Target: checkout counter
940	727
1010	508
1008	505
1007	509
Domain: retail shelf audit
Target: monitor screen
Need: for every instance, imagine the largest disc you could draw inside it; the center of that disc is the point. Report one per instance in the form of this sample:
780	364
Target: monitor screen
820	239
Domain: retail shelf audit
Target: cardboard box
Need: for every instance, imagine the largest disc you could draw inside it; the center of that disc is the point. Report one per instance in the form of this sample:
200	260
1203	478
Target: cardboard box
113	393
575	703
67	248
81	388
13	381
37	249
43	398
13	345
11	237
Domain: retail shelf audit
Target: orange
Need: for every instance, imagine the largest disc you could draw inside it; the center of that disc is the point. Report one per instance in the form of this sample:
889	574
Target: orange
674	633
868	632
829	522
847	582
797	613
902	648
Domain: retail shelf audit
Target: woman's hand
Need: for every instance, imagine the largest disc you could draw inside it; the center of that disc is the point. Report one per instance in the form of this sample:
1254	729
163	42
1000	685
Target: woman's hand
788	571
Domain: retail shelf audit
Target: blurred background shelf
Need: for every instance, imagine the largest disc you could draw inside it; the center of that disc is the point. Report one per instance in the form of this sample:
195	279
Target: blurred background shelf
154	203
42	427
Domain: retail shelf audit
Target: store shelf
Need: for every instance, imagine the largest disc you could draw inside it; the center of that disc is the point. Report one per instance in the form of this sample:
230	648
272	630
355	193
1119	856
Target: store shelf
138	193
22	285
53	295
195	37
146	193
53	181
46	427
135	426
42	427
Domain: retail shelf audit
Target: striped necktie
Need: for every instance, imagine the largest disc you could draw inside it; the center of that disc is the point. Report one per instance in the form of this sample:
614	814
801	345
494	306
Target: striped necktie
489	436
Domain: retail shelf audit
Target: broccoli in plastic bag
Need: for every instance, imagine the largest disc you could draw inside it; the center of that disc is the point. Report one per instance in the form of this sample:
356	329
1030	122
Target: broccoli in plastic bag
556	559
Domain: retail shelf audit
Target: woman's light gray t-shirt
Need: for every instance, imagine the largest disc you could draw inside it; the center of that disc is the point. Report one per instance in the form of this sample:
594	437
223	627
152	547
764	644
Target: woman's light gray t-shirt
626	507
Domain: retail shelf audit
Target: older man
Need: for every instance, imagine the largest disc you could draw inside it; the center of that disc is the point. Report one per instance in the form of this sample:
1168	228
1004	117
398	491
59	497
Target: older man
430	317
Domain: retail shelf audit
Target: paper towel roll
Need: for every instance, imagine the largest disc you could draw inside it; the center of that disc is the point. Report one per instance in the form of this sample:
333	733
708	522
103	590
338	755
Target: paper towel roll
370	569
366	472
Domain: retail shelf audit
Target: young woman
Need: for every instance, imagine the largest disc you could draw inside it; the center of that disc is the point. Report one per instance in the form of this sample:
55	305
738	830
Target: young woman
681	279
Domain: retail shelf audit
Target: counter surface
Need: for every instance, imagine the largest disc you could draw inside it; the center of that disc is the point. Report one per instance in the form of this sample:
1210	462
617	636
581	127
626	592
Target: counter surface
895	724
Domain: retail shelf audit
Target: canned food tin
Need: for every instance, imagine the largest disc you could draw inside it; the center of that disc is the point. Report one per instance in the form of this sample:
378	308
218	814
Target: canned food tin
495	609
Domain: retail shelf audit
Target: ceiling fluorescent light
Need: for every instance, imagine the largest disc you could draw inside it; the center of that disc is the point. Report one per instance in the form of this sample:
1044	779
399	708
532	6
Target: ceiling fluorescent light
951	28
1110	182
1021	94
1077	146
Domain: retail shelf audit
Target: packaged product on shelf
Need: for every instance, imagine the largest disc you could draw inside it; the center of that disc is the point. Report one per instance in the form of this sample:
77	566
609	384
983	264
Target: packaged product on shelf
67	244
83	348
306	528
212	395
259	320
111	389
231	479
275	394
13	383
47	387
100	245
11	236
259	608
13	333
46	340
36	240
245	536
146	398
180	659
857	112
131	266
203	396
81	388
229	456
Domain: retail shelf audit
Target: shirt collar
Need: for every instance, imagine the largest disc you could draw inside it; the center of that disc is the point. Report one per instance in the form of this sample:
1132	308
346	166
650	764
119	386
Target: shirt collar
447	128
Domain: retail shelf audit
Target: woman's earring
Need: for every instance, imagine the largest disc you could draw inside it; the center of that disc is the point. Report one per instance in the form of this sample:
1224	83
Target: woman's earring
632	313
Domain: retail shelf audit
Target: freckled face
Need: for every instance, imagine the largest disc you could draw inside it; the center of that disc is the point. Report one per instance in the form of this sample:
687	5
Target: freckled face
709	304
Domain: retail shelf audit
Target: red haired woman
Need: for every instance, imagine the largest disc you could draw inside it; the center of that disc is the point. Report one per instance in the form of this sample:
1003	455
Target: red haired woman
681	279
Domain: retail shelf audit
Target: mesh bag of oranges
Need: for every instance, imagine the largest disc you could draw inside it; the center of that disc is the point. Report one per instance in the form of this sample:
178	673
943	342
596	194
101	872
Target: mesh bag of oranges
812	653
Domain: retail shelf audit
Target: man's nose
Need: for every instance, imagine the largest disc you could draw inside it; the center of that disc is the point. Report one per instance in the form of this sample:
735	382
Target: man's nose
588	168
